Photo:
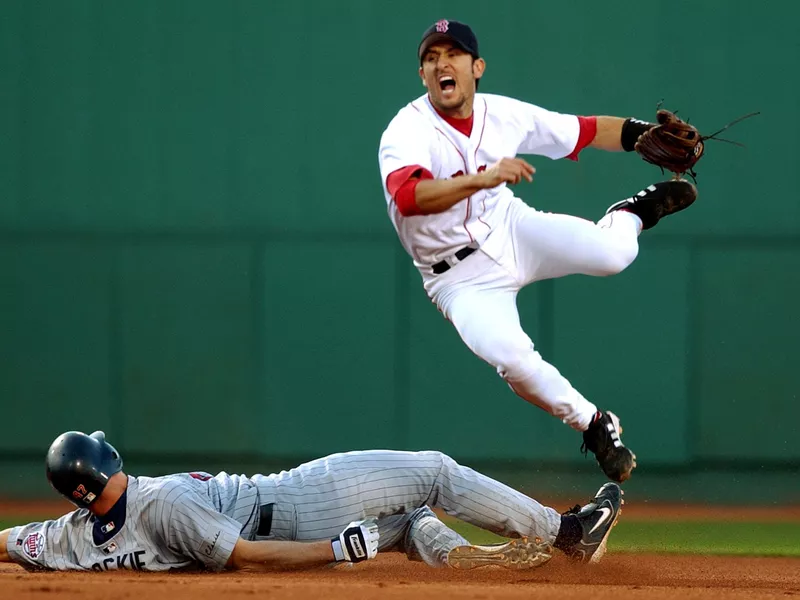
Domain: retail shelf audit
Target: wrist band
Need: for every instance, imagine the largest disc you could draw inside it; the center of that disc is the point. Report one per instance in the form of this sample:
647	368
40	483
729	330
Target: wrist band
631	130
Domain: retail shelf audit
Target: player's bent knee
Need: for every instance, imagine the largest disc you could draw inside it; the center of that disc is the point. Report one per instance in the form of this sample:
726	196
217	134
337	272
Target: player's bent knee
434	460
617	261
442	458
522	363
529	375
419	513
505	353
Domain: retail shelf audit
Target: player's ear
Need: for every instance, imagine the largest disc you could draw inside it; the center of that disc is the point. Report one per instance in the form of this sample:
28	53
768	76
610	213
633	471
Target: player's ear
422	76
478	67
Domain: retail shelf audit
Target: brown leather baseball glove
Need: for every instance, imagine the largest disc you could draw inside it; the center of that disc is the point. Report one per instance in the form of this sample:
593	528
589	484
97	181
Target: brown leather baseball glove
673	144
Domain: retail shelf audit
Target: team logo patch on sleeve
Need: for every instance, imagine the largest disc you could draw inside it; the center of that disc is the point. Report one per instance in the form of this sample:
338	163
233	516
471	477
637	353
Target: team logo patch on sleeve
33	546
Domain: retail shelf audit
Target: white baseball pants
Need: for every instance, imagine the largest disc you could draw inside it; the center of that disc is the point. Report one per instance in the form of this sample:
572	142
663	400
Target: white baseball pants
478	295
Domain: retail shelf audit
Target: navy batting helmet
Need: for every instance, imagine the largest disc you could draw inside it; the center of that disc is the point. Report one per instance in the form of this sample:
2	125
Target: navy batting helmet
79	465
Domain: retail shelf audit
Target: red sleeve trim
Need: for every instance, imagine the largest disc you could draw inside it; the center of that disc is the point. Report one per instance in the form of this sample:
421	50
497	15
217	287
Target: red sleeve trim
402	183
587	134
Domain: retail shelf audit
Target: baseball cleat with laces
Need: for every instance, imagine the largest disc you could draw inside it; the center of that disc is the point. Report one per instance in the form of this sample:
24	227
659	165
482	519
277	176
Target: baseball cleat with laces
596	519
523	553
658	201
603	439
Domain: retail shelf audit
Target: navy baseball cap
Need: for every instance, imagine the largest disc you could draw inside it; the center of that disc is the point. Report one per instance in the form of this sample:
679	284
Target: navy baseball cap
458	33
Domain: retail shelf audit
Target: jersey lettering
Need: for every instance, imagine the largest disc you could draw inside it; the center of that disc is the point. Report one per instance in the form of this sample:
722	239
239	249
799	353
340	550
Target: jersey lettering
209	545
200	476
459	173
131	561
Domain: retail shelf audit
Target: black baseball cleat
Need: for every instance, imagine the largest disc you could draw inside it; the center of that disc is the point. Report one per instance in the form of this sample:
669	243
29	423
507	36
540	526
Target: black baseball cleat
596	520
603	439
658	200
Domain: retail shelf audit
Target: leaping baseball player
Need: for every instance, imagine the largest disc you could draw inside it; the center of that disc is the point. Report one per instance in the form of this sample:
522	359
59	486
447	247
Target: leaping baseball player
342	508
446	161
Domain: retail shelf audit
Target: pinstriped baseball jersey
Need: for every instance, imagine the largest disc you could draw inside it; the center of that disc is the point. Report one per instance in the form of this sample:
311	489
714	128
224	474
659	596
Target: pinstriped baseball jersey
193	520
163	523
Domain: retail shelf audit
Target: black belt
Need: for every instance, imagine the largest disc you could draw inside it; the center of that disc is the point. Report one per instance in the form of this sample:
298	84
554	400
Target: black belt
443	265
265	520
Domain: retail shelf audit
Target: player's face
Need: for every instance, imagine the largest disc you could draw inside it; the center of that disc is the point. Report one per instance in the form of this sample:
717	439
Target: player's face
449	73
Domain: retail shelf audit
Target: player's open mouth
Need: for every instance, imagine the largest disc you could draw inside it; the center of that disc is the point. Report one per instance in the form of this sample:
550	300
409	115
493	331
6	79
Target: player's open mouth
447	83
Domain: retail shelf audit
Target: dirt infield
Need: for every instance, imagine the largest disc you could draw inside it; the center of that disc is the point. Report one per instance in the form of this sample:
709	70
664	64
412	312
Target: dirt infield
392	577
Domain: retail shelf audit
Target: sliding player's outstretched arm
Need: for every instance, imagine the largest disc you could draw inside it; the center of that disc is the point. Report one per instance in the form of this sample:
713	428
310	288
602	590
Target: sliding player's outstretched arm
358	542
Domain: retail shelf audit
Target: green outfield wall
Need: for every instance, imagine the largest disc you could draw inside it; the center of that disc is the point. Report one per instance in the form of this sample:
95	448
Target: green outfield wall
195	254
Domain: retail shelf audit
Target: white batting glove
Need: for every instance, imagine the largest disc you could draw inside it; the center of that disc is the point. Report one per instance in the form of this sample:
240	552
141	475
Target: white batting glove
359	541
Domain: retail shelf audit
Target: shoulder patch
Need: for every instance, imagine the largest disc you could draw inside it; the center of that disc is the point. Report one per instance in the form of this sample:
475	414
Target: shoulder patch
33	546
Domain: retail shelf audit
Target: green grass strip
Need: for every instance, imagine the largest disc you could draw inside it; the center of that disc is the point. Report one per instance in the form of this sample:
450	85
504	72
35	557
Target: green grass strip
686	537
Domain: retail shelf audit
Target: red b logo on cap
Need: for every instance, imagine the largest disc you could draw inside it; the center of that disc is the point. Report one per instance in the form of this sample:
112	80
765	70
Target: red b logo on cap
442	26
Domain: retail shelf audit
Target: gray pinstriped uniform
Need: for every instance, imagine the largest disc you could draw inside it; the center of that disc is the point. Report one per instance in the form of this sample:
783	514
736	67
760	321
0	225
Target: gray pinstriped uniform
194	520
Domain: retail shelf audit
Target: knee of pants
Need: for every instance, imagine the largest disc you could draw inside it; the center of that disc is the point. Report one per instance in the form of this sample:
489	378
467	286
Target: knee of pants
616	260
425	511
443	460
413	517
514	359
435	455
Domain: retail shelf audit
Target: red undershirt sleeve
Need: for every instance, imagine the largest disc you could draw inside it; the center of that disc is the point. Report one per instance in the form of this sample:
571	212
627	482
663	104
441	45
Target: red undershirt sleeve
587	134
402	183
